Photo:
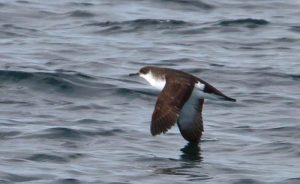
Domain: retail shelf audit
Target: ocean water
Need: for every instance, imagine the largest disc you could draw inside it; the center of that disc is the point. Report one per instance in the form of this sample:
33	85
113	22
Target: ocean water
69	112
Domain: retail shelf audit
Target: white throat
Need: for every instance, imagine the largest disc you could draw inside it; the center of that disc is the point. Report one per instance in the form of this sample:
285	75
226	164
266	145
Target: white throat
154	81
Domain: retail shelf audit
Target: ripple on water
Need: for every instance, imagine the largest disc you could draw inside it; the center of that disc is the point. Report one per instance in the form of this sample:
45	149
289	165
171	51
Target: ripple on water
91	121
295	77
9	178
247	181
187	4
12	30
278	148
65	133
59	158
66	82
248	22
292	181
8	134
62	133
67	181
81	4
17	76
47	158
139	25
81	14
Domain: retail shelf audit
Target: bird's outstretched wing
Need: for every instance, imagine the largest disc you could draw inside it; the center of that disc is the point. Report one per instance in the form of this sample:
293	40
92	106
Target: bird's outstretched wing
169	104
190	122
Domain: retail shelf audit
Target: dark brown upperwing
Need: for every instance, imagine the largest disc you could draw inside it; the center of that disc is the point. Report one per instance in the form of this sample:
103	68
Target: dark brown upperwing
169	104
193	129
211	89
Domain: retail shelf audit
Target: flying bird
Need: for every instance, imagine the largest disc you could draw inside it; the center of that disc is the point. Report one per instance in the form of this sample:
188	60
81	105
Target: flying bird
180	101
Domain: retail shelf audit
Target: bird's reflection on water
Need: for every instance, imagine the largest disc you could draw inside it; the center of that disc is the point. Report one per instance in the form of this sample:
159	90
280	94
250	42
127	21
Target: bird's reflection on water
188	164
191	152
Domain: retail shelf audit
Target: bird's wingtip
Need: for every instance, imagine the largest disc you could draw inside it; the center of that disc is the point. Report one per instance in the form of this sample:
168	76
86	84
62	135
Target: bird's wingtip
232	99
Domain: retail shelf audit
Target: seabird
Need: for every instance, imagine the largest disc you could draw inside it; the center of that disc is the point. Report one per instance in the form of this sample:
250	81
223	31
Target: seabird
180	101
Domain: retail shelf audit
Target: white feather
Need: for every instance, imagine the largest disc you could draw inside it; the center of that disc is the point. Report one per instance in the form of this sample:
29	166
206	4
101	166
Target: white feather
201	94
200	86
155	82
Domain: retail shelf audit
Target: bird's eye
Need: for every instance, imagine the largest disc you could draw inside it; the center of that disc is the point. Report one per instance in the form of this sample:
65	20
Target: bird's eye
144	71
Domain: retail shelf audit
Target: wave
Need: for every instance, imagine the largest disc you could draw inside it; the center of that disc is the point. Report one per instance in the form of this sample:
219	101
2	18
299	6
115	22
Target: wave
71	84
68	82
62	133
47	158
81	14
9	134
23	2
16	178
138	24
62	158
291	180
191	4
294	76
81	4
248	22
11	30
68	180
207	27
12	26
75	134
295	29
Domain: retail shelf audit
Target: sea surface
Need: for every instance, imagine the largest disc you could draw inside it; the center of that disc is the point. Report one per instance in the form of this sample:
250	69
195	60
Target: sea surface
69	112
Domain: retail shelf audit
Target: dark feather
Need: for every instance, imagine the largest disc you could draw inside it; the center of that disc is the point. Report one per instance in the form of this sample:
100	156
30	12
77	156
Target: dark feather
169	104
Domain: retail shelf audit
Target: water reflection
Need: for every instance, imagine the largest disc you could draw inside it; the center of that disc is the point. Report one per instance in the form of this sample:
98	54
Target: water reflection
191	152
189	164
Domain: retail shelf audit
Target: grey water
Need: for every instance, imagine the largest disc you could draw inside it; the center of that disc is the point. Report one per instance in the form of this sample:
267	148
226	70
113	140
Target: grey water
69	112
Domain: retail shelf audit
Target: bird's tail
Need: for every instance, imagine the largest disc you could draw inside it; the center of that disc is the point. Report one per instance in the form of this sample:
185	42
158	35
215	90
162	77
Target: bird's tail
229	98
214	91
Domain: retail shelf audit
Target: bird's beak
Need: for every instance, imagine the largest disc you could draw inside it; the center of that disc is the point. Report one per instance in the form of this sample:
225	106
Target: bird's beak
133	74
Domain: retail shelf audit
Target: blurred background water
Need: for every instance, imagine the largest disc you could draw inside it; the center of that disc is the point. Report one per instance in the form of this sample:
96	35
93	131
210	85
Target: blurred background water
69	113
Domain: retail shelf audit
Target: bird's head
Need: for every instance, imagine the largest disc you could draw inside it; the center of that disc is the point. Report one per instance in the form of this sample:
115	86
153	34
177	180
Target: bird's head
143	72
153	75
